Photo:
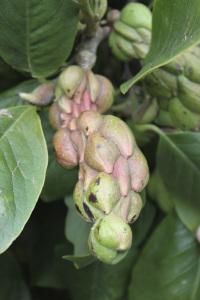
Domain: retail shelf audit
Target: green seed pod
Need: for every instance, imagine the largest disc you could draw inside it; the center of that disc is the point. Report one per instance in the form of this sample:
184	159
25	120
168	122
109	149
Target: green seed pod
110	238
128	208
115	48
132	32
70	79
166	82
189	94
103	192
164	119
78	196
137	15
150	112
182	117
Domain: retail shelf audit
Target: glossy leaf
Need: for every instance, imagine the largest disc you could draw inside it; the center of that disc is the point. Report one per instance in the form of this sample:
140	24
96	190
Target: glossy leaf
37	36
178	163
169	265
12	284
23	163
176	27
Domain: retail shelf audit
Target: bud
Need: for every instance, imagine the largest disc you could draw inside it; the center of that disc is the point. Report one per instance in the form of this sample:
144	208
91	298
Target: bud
115	130
42	95
103	192
70	79
106	94
66	154
110	238
94	9
101	153
138	170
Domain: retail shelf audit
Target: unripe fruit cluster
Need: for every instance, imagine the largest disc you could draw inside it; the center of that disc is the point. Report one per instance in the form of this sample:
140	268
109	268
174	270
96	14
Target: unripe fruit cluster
175	87
112	169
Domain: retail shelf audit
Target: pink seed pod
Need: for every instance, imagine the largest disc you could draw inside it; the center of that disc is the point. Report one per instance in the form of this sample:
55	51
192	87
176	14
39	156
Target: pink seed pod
65	104
122	175
86	174
106	94
80	90
100	153
139	171
119	133
66	154
55	116
89	122
79	141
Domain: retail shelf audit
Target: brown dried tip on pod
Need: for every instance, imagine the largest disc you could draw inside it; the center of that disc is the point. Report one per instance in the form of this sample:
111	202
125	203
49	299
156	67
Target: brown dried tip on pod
66	154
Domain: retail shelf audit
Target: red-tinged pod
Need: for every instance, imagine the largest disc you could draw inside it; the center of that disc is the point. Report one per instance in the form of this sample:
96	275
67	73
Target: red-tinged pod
118	132
89	122
79	141
66	154
122	175
106	94
100	153
55	116
139	171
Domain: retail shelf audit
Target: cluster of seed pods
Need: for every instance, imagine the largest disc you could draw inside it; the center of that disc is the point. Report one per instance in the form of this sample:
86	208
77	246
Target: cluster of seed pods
112	169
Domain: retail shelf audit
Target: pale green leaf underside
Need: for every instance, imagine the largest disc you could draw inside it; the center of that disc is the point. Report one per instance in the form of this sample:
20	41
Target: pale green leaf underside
176	27
23	163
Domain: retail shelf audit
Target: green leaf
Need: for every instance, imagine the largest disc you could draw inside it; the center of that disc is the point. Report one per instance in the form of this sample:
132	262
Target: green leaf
37	36
11	97
9	77
169	265
12	284
178	163
23	163
176	27
102	282
77	232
